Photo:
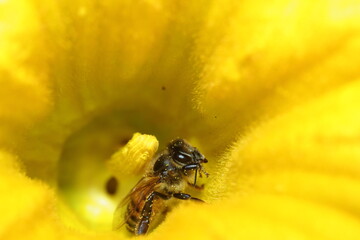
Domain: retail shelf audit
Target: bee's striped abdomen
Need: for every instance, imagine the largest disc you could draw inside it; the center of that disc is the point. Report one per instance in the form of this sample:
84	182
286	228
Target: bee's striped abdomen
132	216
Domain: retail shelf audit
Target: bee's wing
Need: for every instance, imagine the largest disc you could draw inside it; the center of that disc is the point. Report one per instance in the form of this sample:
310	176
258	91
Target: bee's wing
142	189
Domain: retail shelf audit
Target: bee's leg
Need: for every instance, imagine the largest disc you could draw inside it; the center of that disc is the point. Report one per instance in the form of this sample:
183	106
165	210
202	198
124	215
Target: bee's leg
146	212
189	167
185	196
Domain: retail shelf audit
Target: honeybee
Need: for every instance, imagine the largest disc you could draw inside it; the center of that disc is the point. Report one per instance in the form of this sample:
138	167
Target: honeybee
167	177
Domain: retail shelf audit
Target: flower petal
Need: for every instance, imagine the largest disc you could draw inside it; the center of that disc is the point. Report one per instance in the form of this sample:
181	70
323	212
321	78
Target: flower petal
23	201
25	97
306	161
259	216
261	58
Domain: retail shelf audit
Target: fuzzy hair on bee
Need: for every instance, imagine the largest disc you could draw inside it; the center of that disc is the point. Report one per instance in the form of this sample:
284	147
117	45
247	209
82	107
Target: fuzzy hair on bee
167	177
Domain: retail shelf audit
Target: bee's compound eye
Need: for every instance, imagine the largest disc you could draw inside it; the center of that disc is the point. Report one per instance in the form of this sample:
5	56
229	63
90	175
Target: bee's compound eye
182	157
181	151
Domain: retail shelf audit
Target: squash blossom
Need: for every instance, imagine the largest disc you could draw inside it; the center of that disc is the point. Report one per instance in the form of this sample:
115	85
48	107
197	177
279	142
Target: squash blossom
268	91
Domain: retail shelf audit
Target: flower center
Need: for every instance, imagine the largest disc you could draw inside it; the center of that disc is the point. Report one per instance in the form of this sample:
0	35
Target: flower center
88	192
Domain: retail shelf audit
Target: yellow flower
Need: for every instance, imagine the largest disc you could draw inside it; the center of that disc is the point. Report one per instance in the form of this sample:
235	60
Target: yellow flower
268	90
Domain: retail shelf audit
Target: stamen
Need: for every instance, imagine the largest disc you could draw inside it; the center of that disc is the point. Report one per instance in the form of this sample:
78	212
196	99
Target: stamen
134	156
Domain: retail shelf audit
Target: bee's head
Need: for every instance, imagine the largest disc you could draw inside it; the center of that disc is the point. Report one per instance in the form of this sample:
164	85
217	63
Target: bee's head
187	156
184	154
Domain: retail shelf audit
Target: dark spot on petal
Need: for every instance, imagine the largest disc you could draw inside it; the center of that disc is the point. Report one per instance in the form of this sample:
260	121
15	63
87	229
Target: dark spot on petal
163	88
112	186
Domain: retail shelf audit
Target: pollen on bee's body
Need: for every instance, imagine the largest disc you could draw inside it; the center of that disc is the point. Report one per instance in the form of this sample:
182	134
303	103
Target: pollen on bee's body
133	157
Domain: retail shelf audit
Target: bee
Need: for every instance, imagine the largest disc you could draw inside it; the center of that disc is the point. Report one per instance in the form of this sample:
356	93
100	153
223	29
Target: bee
167	177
